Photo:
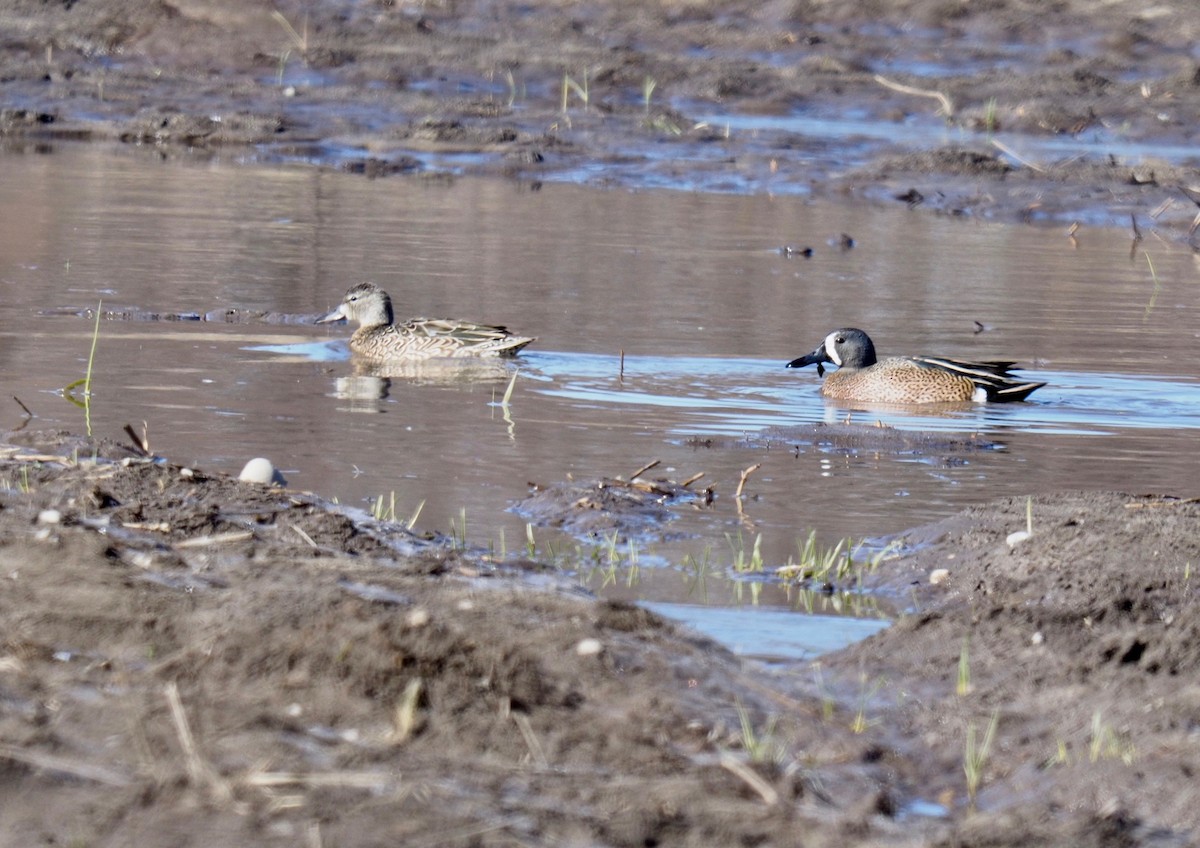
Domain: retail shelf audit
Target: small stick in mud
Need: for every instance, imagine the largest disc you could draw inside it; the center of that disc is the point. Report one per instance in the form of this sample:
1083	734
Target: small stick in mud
200	773
1193	196
737	495
404	719
1137	231
1008	151
216	539
644	469
142	442
745	476
63	765
531	741
689	481
21	404
751	778
947	105
1154	504
1137	237
307	538
621	372
1161	208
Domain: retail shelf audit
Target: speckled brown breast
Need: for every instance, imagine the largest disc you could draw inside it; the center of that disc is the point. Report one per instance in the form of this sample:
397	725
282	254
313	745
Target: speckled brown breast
897	380
430	339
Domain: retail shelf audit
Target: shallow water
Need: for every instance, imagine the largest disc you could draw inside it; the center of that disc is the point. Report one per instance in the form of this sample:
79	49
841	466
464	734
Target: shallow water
692	289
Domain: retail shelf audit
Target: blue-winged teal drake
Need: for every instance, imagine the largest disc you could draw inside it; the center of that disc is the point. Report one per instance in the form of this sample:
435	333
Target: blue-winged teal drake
908	379
379	339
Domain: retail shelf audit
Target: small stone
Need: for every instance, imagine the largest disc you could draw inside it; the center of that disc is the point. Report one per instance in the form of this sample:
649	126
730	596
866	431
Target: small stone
261	470
1037	638
141	559
417	618
939	575
589	647
49	516
1017	538
465	605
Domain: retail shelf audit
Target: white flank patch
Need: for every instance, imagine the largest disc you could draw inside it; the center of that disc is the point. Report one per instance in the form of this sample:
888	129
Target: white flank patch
979	395
829	349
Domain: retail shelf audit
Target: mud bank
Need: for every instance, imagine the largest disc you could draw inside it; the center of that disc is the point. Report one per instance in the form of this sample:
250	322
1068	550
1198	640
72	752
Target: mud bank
187	658
1078	112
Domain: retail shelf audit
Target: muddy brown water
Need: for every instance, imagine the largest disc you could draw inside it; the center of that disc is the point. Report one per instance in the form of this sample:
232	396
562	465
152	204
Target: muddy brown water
691	289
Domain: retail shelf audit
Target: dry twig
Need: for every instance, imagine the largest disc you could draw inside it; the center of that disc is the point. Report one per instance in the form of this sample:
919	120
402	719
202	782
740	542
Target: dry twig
200	773
63	765
750	778
947	105
651	464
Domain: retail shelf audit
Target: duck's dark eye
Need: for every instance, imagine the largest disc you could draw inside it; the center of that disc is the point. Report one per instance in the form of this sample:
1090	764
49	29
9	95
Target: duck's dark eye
840	340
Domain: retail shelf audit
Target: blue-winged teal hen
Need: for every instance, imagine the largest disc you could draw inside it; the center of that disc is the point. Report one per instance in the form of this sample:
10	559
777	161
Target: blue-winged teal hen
908	379
379	339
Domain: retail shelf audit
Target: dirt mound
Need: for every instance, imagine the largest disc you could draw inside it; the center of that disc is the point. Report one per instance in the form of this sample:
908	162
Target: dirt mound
185	657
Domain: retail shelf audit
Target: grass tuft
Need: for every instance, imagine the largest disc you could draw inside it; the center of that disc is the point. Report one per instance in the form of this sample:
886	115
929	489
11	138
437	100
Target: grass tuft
867	691
648	86
570	86
962	686
86	381
975	755
760	747
1108	744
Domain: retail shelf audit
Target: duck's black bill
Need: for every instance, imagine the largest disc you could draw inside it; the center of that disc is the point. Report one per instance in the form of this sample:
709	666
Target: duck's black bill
815	358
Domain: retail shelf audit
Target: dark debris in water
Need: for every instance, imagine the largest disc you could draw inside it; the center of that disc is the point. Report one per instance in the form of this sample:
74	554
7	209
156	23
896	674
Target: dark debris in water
611	504
222	316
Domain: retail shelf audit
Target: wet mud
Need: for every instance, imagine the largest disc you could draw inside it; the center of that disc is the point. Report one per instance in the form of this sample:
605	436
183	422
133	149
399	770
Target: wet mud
613	508
1077	112
185	654
186	658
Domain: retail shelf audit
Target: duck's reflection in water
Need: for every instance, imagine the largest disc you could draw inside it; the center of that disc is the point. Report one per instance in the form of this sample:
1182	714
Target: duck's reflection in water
372	382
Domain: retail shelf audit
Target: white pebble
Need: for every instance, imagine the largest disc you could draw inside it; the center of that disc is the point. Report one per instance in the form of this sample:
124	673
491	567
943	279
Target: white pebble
589	647
142	559
260	470
49	516
417	618
1017	538
939	575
